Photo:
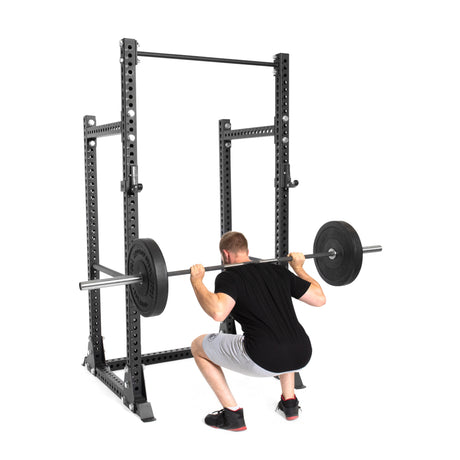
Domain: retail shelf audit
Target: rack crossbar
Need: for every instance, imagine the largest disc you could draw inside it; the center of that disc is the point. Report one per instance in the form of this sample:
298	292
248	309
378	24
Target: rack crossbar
153	358
204	59
111	380
110	129
262	131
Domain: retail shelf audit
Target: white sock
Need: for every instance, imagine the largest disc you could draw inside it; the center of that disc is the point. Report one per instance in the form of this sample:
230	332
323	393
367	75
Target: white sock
234	409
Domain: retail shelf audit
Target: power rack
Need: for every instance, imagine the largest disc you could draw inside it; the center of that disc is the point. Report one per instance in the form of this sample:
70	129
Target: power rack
132	389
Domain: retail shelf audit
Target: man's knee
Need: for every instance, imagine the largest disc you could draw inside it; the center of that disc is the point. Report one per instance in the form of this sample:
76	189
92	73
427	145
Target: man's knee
197	346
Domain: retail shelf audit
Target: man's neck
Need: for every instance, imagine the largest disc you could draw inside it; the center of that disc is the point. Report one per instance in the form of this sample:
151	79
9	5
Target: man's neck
238	258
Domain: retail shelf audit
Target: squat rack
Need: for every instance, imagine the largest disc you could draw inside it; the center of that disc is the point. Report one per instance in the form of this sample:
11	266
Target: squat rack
132	389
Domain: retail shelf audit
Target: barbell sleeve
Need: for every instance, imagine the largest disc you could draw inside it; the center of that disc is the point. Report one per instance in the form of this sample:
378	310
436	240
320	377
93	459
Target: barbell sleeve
122	280
369	249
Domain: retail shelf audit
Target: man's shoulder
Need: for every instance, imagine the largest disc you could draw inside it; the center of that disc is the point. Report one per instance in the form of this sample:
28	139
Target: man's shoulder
227	274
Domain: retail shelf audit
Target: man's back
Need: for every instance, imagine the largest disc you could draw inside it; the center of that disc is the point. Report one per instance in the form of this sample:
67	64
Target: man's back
273	336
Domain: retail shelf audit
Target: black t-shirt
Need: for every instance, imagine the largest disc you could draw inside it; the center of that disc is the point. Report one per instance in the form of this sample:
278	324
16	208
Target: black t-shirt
273	336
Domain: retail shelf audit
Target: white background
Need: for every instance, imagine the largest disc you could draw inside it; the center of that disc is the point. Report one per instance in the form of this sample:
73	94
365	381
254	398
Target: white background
375	116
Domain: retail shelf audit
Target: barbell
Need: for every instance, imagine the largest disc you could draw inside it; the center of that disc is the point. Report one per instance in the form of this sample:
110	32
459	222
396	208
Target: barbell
337	248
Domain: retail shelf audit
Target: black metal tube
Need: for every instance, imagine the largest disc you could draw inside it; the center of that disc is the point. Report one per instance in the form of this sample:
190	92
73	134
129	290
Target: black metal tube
153	358
261	131
109	129
203	58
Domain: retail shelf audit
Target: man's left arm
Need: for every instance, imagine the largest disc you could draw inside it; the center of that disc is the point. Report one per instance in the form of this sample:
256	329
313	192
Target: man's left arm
217	305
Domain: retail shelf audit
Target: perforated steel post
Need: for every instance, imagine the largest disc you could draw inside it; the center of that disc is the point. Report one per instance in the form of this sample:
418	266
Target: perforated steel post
95	358
225	178
225	146
282	155
135	394
282	167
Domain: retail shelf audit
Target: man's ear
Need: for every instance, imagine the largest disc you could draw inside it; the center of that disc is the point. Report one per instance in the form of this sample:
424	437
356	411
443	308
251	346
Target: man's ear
225	256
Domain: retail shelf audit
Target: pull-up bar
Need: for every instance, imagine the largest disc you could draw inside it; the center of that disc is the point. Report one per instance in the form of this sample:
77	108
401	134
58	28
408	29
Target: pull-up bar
205	59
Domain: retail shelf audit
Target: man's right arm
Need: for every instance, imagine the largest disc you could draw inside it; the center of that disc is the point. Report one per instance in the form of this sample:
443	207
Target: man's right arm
314	295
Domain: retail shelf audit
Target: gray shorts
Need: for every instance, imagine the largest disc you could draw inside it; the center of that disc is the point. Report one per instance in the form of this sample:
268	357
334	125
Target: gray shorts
227	350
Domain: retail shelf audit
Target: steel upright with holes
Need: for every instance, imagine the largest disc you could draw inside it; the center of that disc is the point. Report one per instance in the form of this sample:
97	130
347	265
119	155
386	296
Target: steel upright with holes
282	179
228	325
135	394
95	358
283	169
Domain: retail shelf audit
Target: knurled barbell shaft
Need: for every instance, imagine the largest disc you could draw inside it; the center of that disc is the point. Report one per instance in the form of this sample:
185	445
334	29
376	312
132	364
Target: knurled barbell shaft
124	280
262	261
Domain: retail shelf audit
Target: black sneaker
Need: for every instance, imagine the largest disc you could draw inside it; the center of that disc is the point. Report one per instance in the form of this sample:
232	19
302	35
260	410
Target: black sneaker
289	407
226	419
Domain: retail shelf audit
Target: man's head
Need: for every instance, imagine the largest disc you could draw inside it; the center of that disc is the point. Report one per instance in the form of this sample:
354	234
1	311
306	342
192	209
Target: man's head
233	245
